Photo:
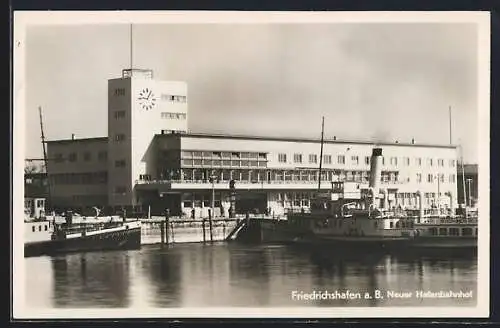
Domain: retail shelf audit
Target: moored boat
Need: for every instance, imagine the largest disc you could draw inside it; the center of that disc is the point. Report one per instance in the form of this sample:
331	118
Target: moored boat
447	232
359	218
47	235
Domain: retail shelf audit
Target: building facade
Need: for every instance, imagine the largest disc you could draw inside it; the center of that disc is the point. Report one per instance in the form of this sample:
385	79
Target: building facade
149	159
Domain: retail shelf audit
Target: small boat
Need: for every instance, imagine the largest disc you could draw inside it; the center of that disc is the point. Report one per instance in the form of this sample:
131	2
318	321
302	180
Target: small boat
51	235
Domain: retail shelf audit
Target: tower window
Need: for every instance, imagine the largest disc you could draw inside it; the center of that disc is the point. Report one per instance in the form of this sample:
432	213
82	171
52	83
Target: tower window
119	137
120	163
119	114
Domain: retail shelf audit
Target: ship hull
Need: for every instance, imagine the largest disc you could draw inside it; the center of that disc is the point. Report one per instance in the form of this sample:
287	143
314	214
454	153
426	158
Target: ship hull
354	244
390	245
449	242
125	239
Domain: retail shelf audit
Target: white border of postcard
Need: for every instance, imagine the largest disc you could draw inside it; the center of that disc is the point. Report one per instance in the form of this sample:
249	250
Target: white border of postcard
23	19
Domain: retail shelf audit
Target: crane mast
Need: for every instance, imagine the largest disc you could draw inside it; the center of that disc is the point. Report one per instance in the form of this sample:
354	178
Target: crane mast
45	160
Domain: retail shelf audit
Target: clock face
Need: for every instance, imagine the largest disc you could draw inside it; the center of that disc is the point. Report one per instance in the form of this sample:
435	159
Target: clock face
147	99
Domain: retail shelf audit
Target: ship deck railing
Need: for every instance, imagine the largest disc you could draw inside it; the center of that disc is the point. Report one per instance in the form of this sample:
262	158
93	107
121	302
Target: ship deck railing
87	227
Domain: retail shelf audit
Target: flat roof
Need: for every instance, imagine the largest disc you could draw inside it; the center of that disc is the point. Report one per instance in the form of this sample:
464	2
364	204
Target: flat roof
62	141
290	139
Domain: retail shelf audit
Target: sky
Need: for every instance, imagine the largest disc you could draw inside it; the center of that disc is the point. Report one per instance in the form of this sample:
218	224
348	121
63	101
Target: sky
371	81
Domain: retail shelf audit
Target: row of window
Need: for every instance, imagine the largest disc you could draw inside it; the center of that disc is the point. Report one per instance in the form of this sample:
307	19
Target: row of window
79	178
218	162
102	156
173	98
355	160
292	175
174	116
452	231
222	155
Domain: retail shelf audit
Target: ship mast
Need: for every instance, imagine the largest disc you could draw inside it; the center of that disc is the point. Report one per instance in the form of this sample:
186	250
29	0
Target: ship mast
321	153
45	160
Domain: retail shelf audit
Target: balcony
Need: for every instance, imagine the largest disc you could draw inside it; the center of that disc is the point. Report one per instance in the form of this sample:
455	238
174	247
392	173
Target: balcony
224	185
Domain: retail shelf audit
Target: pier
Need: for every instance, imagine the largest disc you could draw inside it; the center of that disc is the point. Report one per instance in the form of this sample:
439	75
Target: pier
158	230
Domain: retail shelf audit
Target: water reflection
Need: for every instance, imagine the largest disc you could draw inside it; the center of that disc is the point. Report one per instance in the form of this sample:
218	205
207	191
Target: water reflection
91	279
194	275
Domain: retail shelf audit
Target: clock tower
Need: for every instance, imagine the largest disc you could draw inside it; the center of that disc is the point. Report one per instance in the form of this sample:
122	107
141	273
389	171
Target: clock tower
138	108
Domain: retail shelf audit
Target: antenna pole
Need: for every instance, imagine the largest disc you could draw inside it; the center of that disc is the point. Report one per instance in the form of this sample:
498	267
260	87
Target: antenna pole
321	152
45	160
451	139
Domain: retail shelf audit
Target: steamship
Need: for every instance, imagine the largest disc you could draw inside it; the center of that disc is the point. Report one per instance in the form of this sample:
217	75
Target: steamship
362	219
51	235
352	215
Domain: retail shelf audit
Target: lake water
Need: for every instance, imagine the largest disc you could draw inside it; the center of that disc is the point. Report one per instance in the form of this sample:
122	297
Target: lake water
225	275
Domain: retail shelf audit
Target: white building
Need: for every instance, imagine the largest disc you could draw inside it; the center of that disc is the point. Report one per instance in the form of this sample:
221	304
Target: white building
149	158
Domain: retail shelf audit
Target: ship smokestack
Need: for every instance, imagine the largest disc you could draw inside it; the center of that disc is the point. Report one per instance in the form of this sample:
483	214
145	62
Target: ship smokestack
375	173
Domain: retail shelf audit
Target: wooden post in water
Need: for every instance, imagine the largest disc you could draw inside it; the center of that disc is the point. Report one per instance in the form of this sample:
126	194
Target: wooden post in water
162	232
203	226
167	220
210	225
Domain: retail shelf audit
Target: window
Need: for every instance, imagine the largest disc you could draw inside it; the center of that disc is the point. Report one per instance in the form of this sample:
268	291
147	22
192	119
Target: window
327	159
355	160
454	232
120	190
120	163
430	178
429	162
441	178
86	156
58	158
440	162
313	158
173	116
367	160
119	137
102	155
119	92
383	160
419	177
443	231
394	161
33	228
391	224
282	158
72	157
297	158
262	156
407	161
466	231
119	114
452	163
452	178
341	159
418	161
